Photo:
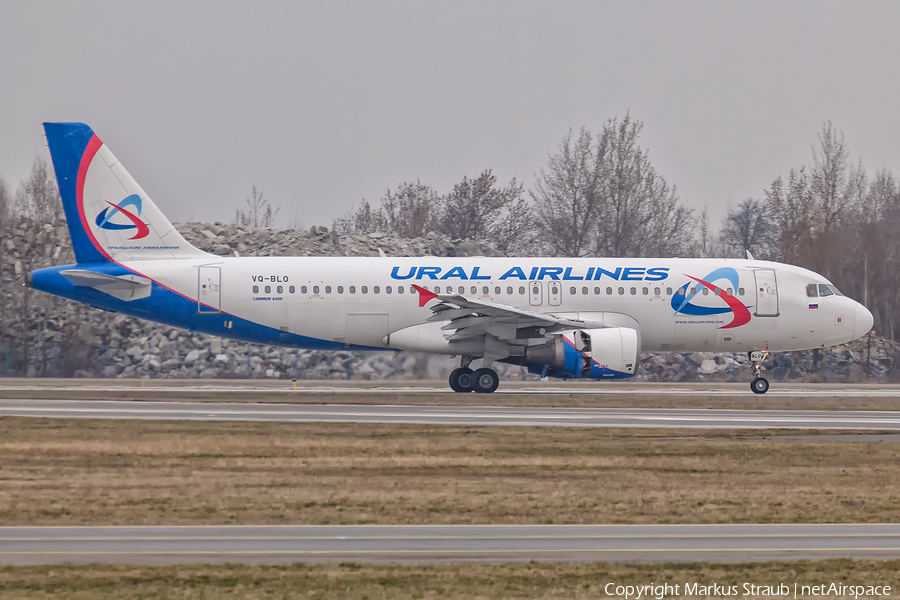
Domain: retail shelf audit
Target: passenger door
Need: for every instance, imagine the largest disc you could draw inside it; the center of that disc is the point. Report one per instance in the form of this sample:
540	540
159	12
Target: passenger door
766	293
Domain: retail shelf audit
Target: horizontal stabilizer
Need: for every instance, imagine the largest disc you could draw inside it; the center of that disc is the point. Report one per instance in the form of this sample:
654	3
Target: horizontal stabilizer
123	287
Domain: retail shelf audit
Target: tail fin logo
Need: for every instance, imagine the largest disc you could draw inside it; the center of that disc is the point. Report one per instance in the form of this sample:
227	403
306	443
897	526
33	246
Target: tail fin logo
104	218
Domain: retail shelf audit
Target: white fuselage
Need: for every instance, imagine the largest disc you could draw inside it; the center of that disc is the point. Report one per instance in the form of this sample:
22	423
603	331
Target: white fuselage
360	301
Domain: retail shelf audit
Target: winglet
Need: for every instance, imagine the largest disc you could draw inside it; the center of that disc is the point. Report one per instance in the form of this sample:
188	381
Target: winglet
424	295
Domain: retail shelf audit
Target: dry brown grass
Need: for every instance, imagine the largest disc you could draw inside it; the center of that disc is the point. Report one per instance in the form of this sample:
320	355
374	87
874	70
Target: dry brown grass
379	582
103	472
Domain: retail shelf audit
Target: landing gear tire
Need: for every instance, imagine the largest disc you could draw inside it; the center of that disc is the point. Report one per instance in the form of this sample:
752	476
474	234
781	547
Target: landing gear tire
485	381
461	380
760	385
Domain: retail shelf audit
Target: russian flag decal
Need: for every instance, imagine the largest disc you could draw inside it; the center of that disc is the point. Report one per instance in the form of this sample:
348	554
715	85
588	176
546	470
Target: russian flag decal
812	306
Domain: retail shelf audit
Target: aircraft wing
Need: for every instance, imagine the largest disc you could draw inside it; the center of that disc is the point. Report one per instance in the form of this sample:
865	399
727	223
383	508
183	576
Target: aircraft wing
469	318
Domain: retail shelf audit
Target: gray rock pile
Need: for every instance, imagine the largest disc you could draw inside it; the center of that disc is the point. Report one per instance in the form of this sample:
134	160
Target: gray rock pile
44	336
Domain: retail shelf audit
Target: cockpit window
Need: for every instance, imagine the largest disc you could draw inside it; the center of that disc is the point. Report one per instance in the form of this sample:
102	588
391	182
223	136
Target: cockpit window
812	290
836	291
824	290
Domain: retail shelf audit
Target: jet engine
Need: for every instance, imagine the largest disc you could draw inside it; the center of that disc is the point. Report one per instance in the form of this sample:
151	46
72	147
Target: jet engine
611	352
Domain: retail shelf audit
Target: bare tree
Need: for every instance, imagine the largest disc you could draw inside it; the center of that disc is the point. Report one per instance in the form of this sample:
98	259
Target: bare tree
259	212
833	181
568	192
479	210
791	211
748	227
5	204
37	197
411	211
602	196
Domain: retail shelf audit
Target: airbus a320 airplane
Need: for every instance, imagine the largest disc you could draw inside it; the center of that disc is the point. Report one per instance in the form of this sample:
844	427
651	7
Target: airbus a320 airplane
580	318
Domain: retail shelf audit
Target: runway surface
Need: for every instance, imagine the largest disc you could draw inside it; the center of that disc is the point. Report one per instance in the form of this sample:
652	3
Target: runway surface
443	415
456	543
30	387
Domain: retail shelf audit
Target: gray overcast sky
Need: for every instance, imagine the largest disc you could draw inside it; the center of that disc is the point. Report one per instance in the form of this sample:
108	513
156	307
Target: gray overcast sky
324	103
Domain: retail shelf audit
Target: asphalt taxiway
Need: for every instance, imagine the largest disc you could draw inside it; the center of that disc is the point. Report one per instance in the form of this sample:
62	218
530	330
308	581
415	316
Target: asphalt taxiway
448	415
456	543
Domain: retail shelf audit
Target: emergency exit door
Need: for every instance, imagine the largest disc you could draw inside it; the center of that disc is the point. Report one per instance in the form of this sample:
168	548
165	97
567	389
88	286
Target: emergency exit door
766	293
209	290
535	293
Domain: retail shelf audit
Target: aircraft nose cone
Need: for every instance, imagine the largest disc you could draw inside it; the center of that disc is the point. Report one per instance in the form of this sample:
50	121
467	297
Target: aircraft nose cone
864	321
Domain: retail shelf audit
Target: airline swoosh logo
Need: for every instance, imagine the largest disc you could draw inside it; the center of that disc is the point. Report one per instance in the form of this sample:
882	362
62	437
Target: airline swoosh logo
104	218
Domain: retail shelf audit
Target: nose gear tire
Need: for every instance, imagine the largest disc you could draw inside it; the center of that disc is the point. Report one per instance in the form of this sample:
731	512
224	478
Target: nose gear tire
760	385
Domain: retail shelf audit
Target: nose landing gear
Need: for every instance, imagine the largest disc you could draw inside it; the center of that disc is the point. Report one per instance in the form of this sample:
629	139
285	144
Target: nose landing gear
759	385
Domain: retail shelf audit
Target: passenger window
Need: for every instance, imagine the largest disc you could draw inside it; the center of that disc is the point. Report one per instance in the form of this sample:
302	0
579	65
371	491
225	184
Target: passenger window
255	289
509	290
268	289
315	289
303	289
646	291
340	289
364	289
621	291
399	289
812	290
376	289
497	290
461	290
387	290
740	291
474	289
824	290
596	291
352	289
485	290
572	291
584	291
668	291
656	291
449	289
327	289
730	292
521	290
279	289
609	291
633	291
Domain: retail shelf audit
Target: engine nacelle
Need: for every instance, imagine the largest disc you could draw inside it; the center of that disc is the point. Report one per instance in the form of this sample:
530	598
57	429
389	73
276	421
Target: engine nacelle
607	353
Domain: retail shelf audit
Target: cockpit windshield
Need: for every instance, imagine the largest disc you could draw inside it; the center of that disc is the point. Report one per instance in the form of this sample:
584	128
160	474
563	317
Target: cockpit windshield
821	290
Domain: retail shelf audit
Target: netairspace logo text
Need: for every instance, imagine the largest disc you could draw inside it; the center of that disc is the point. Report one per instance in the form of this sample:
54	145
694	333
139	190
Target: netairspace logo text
660	591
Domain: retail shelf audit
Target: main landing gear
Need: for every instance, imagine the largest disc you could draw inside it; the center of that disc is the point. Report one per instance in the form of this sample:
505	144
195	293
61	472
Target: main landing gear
759	385
464	380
